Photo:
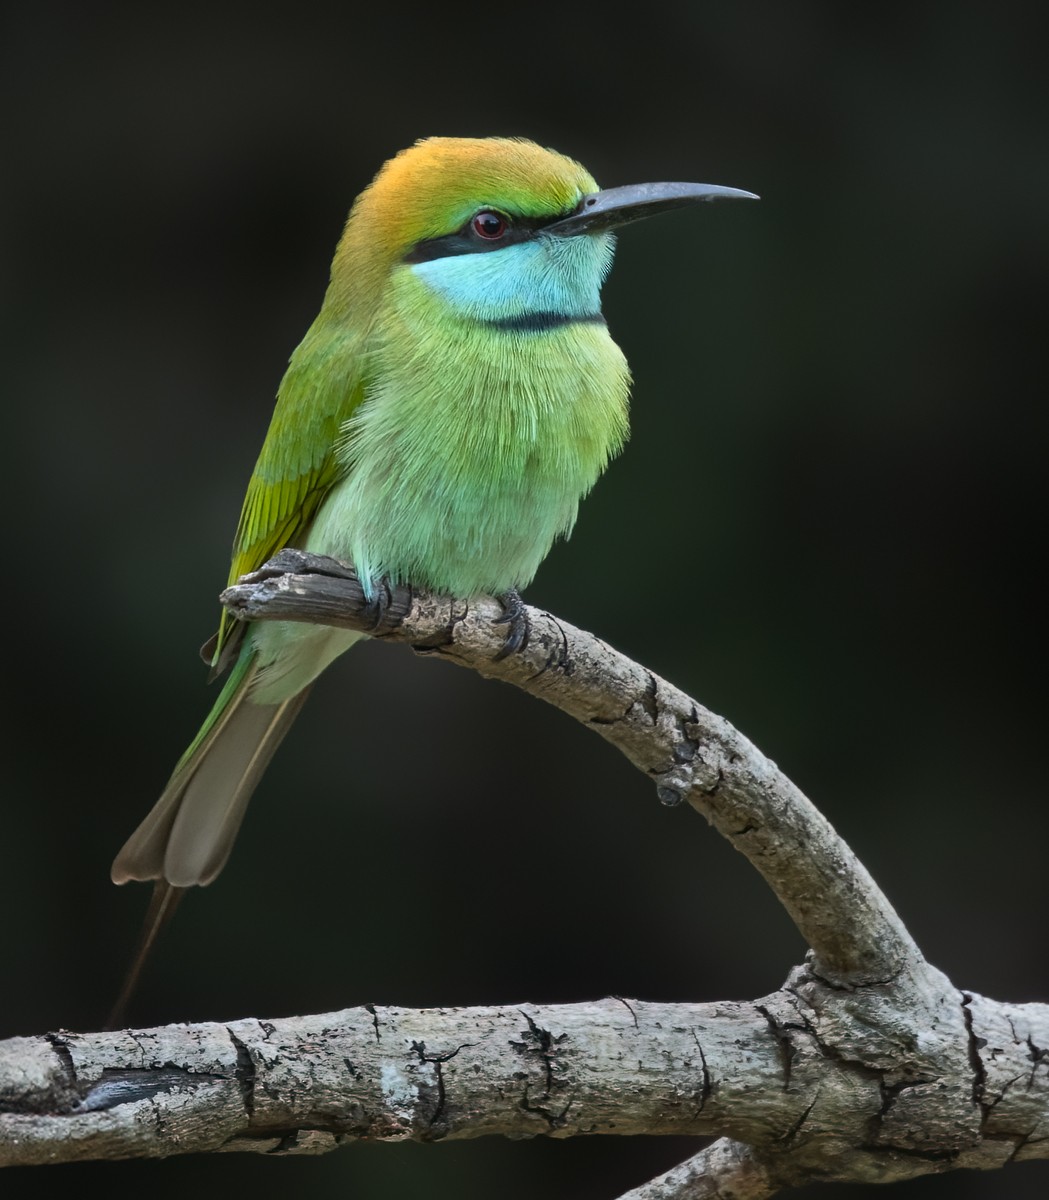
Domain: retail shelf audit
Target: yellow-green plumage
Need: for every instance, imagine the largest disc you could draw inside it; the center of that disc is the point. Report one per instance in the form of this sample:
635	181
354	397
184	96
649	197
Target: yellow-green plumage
473	451
456	397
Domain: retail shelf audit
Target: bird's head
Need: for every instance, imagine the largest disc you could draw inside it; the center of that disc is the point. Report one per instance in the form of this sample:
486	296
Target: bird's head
440	189
500	228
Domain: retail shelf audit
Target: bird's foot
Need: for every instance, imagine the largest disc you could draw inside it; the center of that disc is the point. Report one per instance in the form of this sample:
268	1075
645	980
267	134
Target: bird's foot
515	614
377	607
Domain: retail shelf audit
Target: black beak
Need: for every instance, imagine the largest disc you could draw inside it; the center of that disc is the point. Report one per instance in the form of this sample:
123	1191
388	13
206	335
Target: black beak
619	206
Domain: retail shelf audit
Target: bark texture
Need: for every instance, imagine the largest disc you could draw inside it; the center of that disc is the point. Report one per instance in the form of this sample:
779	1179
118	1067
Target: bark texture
867	1065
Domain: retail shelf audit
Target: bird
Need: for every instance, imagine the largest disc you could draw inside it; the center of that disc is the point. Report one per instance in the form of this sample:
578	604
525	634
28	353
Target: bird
456	397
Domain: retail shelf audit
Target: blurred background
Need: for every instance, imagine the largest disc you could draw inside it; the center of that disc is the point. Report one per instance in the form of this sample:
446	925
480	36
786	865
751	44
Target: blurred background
828	526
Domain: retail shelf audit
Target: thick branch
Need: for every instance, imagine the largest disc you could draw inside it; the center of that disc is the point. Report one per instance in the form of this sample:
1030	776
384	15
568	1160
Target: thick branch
866	1066
688	752
394	1074
804	1076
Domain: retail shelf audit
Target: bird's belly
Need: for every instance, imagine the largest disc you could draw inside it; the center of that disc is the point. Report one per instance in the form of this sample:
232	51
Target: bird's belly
462	487
445	528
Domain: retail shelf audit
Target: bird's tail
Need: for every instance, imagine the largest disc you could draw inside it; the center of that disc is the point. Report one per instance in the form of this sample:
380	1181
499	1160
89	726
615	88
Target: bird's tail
162	906
189	832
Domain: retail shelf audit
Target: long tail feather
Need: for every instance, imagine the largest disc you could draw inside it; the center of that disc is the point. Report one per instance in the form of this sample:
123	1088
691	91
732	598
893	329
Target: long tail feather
217	795
162	905
187	836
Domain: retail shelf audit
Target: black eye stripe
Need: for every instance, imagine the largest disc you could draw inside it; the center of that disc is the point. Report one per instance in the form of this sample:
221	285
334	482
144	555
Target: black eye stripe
465	241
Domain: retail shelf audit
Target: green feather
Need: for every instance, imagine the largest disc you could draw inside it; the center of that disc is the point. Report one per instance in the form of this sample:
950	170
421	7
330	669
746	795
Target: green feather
297	465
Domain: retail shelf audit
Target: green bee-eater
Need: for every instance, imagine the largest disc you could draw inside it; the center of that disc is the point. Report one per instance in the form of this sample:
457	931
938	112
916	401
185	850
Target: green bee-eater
456	397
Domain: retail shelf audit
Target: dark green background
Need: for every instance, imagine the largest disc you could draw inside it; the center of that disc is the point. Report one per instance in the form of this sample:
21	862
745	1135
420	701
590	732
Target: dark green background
828	526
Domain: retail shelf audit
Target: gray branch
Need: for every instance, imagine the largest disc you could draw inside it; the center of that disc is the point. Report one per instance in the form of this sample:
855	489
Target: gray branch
867	1065
689	753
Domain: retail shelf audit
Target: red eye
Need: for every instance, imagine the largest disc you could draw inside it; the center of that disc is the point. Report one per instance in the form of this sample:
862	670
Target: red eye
490	225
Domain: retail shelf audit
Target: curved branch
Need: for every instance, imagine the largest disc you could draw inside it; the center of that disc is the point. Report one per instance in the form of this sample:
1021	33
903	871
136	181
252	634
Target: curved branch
867	1065
689	753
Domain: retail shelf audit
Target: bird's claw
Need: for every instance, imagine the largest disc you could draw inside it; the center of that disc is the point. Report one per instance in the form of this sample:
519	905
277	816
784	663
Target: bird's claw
515	614
377	607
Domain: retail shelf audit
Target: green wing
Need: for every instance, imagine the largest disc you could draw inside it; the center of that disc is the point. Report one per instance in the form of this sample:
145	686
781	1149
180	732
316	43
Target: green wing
297	465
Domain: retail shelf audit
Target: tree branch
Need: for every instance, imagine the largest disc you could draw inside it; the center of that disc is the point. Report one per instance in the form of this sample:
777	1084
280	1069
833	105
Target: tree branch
803	1076
689	753
727	1170
868	1065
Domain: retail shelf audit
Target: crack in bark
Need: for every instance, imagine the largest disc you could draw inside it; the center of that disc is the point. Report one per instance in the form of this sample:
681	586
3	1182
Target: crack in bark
554	1120
245	1074
648	698
890	1093
708	1087
790	1134
975	1045
437	1061
375	1020
1038	1056
784	1042
1004	1090
65	1058
1022	1141
59	1094
627	1005
608	722
544	1042
837	986
559	660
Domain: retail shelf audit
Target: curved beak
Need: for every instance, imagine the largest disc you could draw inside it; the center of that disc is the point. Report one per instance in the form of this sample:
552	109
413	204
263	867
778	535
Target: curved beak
613	207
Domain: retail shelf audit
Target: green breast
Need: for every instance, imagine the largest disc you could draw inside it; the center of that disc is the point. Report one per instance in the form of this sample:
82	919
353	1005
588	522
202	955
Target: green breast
472	449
